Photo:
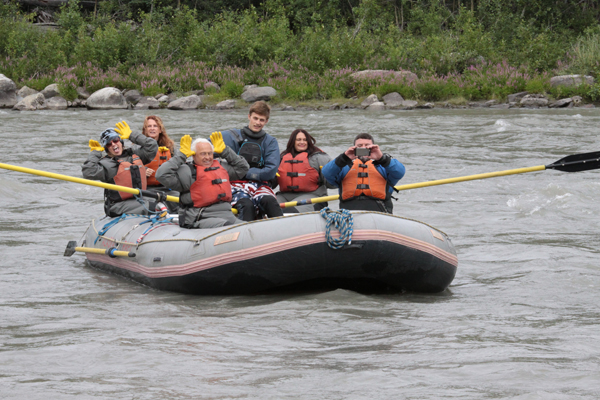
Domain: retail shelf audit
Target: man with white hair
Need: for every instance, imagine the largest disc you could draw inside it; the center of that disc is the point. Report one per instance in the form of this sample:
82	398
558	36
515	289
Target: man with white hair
204	183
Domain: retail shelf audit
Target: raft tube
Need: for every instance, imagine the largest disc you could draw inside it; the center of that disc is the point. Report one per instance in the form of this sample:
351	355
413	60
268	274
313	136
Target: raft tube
386	253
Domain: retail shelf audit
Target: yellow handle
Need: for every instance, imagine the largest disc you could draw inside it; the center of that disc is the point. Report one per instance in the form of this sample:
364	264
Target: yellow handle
117	253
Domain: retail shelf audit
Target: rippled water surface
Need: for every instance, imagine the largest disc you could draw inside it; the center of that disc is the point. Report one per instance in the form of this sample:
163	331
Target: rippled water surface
520	321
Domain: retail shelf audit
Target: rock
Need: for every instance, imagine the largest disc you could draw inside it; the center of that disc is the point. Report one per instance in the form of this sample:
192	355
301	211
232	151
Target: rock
147	103
516	97
225	105
571	80
376	106
163	99
171	97
369	100
158	96
132	96
334	106
561	103
490	103
534	100
426	106
501	106
288	108
26	91
212	85
31	103
186	103
82	93
8	92
475	104
259	93
393	100
109	98
409	104
57	103
387	74
50	91
577	100
513	104
248	87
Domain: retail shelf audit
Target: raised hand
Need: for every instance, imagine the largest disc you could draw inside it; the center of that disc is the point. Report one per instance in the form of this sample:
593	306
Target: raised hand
185	146
217	140
95	146
123	130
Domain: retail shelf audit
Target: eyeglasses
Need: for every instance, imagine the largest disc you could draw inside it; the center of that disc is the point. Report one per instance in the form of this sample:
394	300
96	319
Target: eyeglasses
115	140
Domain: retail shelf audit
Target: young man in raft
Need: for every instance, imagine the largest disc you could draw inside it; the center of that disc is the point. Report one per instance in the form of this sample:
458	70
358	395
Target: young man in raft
204	184
252	194
365	176
120	166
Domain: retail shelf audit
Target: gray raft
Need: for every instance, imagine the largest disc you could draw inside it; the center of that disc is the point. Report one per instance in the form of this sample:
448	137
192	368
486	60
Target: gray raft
386	253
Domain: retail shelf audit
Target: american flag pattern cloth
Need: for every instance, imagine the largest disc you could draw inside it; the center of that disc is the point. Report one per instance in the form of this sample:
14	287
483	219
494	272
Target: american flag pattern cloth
252	190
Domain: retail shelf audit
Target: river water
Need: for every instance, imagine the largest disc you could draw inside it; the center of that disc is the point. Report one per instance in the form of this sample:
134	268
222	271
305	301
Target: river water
520	320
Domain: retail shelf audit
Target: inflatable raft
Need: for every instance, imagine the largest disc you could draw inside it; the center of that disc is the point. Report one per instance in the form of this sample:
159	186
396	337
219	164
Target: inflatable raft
385	253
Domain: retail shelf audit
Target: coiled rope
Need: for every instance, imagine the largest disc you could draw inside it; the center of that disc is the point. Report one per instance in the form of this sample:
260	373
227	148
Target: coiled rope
343	222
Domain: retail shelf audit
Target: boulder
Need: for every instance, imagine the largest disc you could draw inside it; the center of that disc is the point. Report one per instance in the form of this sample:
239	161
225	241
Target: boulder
26	91
109	98
50	91
516	97
426	106
225	105
490	103
409	104
577	100
387	74
259	93
158	96
288	108
561	103
247	87
393	100
212	85
57	103
376	106
571	80
132	96
82	93
186	103
369	100
147	103
534	101
334	106
163	99
8	92
31	103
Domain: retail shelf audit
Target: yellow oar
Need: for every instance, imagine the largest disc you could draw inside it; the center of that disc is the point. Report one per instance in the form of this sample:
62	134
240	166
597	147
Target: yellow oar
572	163
112	252
68	178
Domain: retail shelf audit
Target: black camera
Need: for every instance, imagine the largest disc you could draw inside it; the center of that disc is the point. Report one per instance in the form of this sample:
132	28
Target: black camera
362	152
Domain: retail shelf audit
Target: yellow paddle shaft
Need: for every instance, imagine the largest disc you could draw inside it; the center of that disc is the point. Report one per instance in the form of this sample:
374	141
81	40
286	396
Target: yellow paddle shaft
471	177
114	253
78	180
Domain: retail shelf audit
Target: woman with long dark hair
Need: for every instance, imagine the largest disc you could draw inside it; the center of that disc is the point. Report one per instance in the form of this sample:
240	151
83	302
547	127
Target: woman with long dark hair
299	175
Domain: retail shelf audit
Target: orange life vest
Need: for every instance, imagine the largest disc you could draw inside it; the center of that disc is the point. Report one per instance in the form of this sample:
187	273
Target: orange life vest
296	174
364	179
211	185
132	175
160	158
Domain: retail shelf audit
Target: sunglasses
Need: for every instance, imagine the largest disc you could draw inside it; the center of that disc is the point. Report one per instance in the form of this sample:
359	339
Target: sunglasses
115	140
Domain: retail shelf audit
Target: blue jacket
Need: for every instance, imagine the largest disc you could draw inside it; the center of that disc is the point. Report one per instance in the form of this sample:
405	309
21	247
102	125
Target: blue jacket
391	169
270	154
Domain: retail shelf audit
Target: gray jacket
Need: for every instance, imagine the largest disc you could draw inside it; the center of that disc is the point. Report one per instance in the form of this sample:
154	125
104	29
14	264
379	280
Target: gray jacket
176	175
103	168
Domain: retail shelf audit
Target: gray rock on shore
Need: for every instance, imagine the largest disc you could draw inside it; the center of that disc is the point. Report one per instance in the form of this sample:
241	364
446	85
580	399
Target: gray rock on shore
376	106
516	97
147	103
186	103
534	101
259	93
8	92
369	100
82	93
571	80
562	103
50	91
109	98
393	100
225	105
26	91
56	103
32	102
132	96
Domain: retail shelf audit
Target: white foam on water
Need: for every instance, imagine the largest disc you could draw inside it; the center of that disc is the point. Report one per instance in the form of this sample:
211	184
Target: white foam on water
502	125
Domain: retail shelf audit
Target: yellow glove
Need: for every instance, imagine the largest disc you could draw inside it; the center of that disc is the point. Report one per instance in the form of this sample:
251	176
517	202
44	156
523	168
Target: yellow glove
123	130
185	146
163	149
217	140
95	146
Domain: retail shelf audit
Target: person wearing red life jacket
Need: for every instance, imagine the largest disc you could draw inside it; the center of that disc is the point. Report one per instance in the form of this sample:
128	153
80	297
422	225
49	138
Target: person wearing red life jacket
154	128
365	176
205	183
299	174
121	166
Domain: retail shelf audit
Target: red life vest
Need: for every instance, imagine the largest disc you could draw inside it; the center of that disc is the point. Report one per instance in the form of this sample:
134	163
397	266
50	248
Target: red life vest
296	174
211	186
364	179
132	175
160	158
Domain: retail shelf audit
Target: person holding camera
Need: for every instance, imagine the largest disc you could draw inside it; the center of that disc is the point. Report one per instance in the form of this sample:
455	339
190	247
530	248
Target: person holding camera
365	176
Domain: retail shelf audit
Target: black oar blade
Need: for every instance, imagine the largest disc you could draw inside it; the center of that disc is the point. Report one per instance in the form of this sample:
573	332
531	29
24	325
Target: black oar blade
577	162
